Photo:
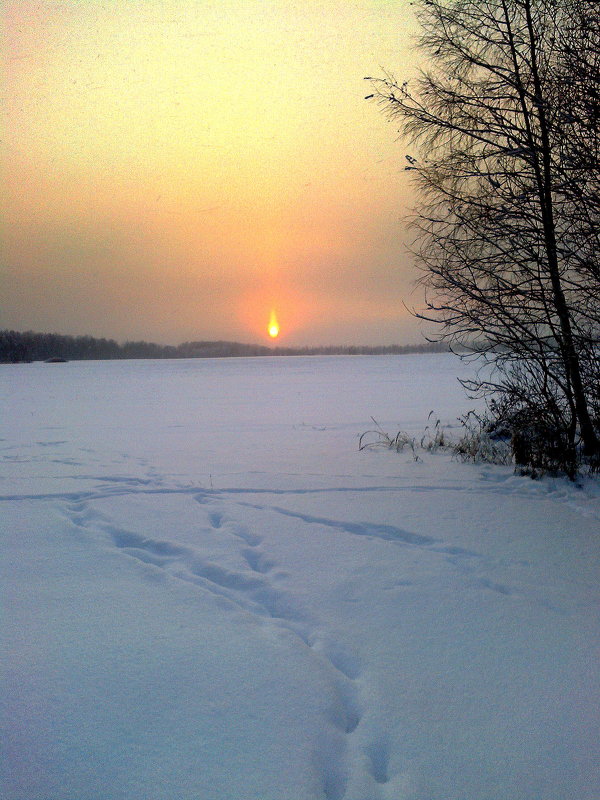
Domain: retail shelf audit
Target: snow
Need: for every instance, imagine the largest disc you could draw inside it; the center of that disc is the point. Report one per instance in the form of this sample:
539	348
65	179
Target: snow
209	593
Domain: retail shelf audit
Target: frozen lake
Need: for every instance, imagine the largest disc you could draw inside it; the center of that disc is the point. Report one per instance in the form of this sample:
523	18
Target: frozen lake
210	592
199	417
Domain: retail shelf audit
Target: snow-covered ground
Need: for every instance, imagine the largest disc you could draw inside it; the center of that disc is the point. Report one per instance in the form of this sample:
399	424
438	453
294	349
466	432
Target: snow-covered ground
210	594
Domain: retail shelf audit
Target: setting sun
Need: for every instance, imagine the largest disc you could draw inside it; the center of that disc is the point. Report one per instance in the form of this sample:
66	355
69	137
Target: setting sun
273	328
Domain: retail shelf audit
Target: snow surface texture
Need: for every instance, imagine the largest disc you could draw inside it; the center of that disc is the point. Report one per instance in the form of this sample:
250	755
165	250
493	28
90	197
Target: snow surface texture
210	593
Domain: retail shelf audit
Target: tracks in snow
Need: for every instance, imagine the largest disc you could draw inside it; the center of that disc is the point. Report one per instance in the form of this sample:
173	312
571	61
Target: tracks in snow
248	589
255	589
352	759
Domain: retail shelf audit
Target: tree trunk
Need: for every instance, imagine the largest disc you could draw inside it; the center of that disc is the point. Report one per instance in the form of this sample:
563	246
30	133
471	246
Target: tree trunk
591	442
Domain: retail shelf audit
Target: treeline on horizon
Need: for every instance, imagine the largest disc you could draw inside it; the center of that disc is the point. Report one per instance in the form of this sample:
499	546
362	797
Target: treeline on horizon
19	347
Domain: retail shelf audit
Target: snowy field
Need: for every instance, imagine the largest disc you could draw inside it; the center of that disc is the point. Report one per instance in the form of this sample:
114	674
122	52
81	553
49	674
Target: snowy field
210	594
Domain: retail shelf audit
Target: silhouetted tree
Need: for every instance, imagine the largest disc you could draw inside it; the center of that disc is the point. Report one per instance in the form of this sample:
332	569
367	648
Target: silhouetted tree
505	122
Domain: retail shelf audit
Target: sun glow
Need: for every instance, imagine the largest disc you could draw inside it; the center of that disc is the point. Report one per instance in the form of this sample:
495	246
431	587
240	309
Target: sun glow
273	328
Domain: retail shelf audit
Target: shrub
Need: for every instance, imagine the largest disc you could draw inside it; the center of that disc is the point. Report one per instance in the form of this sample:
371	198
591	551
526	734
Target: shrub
482	441
379	438
530	436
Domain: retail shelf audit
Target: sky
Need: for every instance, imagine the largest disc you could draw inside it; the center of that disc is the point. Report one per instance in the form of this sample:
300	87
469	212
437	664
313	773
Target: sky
180	170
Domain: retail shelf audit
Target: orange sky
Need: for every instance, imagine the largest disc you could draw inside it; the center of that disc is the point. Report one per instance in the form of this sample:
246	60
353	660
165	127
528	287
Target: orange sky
176	169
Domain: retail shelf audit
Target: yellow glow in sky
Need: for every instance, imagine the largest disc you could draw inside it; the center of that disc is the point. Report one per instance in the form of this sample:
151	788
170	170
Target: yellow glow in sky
273	329
168	162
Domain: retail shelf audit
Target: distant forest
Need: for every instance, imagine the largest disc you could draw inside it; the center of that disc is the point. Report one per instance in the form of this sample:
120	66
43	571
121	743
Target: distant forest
18	347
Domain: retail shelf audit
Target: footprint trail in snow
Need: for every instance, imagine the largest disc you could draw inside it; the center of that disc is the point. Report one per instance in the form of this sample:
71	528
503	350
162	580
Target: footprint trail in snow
258	590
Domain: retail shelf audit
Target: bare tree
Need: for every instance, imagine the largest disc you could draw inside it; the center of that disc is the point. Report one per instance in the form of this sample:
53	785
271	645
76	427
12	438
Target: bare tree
508	176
